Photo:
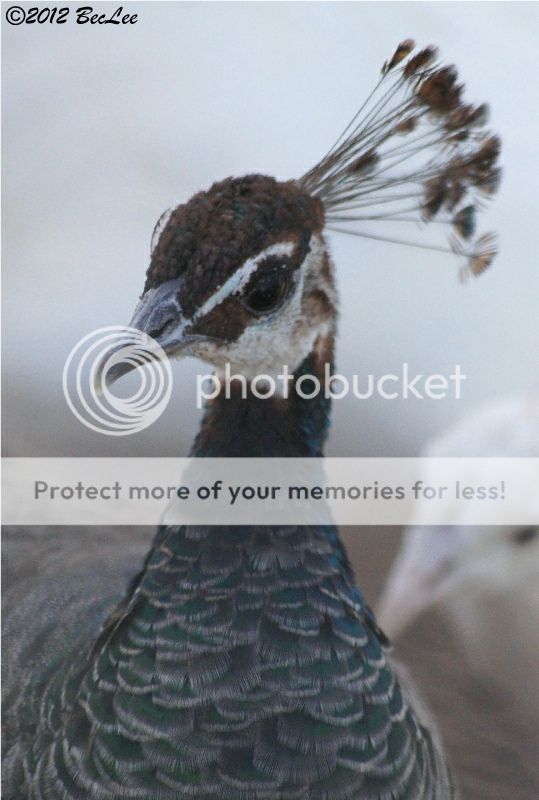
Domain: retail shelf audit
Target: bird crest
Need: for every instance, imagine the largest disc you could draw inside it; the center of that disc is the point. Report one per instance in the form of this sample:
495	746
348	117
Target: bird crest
414	154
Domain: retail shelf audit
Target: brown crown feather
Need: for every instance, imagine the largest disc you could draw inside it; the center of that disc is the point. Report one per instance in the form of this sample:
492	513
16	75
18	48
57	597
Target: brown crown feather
209	237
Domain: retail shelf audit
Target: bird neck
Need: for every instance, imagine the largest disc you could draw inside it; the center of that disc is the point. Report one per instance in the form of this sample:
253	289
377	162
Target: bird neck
224	616
240	423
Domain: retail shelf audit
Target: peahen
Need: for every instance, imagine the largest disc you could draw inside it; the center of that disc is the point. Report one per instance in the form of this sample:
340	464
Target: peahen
484	578
243	663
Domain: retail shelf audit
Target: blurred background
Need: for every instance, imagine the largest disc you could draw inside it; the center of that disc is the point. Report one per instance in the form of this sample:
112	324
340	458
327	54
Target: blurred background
105	127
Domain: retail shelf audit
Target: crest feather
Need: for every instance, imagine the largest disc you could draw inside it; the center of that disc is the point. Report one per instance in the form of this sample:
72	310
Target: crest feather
415	153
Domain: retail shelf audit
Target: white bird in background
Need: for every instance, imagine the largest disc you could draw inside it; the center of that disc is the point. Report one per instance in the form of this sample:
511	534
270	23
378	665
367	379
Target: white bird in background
485	579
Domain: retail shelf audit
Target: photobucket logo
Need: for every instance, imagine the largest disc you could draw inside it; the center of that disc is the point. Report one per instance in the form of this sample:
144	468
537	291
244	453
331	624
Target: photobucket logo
333	386
100	357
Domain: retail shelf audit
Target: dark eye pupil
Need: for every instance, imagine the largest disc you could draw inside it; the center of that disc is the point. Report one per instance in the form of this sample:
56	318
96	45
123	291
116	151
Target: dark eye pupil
525	535
267	294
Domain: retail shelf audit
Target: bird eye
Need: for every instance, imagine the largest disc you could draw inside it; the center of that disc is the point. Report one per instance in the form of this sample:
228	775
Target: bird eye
267	291
524	535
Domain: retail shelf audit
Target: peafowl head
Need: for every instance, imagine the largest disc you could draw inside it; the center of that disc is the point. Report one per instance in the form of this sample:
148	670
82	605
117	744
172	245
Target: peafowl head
439	565
241	273
463	563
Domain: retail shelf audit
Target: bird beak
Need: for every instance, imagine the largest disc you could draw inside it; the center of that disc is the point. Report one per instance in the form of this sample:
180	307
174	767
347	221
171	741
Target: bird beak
160	318
420	577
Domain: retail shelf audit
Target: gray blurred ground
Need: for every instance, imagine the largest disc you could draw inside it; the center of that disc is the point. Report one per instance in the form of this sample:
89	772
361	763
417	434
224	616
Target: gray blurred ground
494	754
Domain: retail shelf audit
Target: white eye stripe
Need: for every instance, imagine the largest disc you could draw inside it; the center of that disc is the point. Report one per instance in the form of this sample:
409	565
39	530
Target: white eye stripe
239	279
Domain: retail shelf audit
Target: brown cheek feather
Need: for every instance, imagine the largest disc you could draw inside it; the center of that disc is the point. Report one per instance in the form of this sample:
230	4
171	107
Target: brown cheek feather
225	322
